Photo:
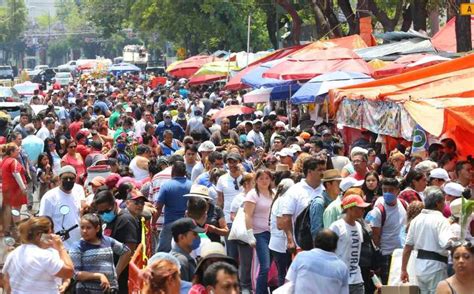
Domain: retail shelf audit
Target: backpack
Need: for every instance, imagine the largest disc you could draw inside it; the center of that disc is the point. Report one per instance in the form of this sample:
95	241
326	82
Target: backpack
303	229
381	207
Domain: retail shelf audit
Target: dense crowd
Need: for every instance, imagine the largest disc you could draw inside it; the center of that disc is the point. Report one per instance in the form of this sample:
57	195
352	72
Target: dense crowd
245	203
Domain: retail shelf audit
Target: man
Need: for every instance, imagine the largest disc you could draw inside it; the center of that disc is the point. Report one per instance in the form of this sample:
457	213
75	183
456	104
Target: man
255	136
140	124
299	196
331	180
82	143
171	196
387	220
114	117
453	191
359	162
224	136
438	177
190	152
221	278
430	234
215	160
204	130
350	240
306	269
185	235
20	127
285	156
102	105
76	125
70	195
31	144
95	153
169	124
195	122
228	186
278	132
338	159
249	153
278	143
46	130
205	148
334	210
139	164
328	142
464	174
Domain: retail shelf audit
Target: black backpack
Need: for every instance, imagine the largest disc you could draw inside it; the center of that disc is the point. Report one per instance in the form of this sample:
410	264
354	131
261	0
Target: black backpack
303	229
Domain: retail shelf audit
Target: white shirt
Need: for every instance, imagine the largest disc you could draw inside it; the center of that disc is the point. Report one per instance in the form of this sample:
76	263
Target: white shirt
395	221
348	247
278	241
31	270
429	231
226	185
318	272
44	133
256	138
138	173
51	204
140	128
198	169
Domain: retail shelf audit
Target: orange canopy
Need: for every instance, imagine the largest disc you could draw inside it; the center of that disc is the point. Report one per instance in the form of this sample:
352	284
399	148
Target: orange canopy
451	78
445	39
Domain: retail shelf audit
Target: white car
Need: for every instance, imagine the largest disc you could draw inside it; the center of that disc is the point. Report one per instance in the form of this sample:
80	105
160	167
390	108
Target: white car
63	78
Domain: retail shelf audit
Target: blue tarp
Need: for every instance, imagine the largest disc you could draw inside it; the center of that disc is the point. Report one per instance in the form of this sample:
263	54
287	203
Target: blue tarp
316	89
255	80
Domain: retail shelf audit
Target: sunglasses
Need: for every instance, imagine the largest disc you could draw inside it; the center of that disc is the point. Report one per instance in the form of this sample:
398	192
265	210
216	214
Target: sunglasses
236	185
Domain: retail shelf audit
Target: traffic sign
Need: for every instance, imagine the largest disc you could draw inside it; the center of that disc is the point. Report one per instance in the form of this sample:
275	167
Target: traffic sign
467	9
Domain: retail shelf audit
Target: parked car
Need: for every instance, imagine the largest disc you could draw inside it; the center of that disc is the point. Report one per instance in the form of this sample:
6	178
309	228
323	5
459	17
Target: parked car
26	90
15	108
44	76
9	94
70	66
63	78
41	67
6	72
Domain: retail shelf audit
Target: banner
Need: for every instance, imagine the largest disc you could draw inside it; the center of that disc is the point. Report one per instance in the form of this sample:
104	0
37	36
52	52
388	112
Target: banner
420	141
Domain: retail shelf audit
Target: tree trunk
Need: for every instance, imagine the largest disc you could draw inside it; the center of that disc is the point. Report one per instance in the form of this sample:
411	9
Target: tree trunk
451	8
272	30
346	8
388	24
463	30
322	25
419	15
434	21
327	9
407	18
296	20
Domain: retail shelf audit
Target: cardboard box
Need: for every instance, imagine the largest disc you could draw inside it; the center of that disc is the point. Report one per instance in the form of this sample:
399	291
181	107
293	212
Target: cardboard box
404	289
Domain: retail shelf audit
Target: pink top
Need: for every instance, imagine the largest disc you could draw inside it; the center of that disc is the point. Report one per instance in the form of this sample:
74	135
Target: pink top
77	163
262	211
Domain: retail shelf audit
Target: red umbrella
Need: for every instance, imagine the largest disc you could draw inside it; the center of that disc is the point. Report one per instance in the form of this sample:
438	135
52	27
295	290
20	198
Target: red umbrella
232	110
205	79
191	65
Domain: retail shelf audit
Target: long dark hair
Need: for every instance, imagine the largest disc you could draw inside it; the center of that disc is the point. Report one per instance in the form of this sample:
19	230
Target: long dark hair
95	221
47	141
40	158
260	172
370	194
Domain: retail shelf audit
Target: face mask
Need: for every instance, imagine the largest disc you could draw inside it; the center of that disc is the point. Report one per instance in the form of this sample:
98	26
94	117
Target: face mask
389	197
108	217
167	121
196	243
67	185
121	146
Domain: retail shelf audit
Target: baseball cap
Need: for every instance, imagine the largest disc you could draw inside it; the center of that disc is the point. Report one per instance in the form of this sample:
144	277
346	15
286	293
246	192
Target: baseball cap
352	201
198	191
234	156
111	180
97	181
207	146
439	173
285	152
326	132
305	135
256	121
280	124
295	148
136	194
453	189
349	182
184	225
67	169
258	113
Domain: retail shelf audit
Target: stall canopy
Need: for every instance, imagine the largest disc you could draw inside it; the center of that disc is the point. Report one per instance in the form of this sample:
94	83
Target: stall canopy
317	88
254	77
277	93
188	67
317	63
235	83
408	63
205	79
217	68
445	39
393	50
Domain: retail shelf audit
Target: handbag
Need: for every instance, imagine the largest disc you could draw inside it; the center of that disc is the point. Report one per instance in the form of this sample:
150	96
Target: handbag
239	229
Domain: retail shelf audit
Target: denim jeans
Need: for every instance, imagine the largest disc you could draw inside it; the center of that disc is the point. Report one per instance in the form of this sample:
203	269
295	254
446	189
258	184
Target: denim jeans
263	255
282	261
231	246
164	243
245	265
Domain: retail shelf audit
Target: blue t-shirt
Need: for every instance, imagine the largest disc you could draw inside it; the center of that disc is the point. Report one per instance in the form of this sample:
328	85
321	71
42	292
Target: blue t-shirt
171	196
102	105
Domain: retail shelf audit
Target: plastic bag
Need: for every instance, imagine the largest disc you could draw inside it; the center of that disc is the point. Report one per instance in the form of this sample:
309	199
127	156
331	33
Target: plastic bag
239	229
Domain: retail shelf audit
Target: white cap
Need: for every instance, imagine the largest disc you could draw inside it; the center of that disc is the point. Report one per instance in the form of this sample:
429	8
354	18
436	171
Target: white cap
439	173
456	207
258	113
285	152
280	124
207	146
358	149
453	189
349	182
255	121
295	148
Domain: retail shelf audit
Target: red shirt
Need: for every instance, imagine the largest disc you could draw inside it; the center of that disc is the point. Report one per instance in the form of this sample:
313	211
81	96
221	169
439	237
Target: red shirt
74	128
83	150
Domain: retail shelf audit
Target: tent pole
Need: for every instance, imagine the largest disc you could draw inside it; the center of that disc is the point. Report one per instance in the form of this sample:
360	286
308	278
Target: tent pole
248	38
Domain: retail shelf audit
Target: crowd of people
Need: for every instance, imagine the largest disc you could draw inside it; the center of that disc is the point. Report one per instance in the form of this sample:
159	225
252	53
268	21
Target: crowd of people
240	204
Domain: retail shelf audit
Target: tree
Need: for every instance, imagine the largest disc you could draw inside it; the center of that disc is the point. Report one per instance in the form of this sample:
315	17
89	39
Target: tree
381	10
463	30
12	26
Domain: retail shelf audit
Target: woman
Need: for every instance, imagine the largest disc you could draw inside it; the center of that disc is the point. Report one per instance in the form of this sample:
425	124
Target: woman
75	159
245	251
416	183
461	282
162	277
371	187
217	225
40	262
257	204
54	158
278	241
397	160
93	258
44	174
13	184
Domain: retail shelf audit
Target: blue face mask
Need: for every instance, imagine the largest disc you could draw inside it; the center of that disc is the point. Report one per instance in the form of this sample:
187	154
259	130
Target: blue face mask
108	217
196	243
389	197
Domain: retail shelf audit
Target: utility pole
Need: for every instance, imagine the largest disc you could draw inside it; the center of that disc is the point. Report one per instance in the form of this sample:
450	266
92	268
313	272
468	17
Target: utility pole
463	29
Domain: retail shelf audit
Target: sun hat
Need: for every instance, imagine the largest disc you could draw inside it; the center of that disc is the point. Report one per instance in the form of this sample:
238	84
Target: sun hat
198	191
207	146
214	250
331	175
